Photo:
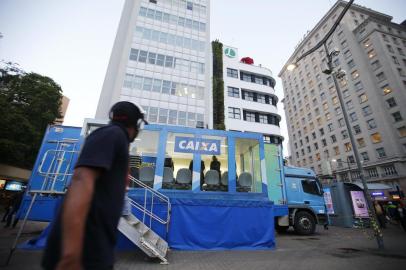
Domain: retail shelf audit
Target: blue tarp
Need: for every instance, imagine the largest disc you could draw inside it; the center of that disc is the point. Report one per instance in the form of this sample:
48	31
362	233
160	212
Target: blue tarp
204	224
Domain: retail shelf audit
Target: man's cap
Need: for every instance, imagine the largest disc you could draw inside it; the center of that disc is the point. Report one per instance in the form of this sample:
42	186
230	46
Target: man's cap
127	113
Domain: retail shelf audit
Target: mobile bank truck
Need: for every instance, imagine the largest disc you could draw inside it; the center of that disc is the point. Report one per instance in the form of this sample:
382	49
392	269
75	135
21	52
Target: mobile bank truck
176	200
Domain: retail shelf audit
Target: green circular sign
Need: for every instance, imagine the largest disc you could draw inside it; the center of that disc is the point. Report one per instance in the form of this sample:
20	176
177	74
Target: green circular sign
230	52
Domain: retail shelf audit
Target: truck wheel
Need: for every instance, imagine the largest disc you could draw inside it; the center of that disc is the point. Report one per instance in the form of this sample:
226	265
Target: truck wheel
304	223
281	229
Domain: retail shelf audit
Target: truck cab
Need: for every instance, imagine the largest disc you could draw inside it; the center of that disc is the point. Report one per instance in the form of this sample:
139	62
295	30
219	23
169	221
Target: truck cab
304	197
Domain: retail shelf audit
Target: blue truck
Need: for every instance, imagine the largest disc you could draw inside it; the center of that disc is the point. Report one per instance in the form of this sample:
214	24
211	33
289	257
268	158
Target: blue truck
304	197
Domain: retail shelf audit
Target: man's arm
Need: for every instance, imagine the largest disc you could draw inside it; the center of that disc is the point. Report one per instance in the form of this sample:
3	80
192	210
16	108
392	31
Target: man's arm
74	214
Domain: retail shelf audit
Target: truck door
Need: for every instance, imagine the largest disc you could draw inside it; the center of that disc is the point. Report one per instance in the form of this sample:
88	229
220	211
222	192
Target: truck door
294	192
313	195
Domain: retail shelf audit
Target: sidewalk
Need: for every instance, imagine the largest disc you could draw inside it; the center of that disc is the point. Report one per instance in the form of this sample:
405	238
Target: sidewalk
337	248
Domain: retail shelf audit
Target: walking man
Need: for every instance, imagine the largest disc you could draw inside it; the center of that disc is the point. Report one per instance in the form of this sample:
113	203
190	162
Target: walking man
84	233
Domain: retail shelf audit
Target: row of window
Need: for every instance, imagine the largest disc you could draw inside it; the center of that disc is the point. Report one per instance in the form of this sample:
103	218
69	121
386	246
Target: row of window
186	5
172	19
166	61
251	96
370	173
174	117
264	118
249	77
132	81
170	39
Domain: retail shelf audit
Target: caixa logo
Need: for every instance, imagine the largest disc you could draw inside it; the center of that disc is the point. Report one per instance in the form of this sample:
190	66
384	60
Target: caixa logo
197	145
230	52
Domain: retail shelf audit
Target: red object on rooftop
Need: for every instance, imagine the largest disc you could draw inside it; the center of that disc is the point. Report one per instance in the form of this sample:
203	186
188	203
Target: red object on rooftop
247	60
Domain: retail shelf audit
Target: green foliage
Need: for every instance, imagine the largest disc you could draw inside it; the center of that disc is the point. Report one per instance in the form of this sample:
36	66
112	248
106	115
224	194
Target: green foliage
218	86
28	103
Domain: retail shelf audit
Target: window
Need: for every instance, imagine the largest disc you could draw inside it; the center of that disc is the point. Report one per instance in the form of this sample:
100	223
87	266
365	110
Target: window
386	90
362	98
357	129
318	156
337	110
189	6
153	1
367	43
365	156
250	117
347	147
371	124
143	56
355	74
366	110
391	102
333	138
381	152
402	131
401	72
346	93
321	131
311	187
341	122
330	127
395	60
351	159
358	86
232	73
347	54
314	135
375	65
234	113
263	118
335	100
344	134
328	116
400	51
324	142
336	150
389	170
233	92
351	64
349	105
353	117
325	106
373	172
381	76
390	49
361	142
397	116
376	137
371	54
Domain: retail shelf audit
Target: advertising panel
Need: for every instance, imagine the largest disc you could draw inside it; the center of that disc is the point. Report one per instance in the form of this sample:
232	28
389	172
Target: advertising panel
328	201
359	204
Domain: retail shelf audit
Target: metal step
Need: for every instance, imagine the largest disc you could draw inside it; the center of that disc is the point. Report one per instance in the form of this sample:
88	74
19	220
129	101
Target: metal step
143	237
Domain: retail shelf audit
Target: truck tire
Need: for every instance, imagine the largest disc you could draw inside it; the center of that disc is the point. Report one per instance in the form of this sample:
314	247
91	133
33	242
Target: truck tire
305	223
281	229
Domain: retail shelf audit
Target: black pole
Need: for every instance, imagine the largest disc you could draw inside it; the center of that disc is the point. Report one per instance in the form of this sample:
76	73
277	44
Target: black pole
377	230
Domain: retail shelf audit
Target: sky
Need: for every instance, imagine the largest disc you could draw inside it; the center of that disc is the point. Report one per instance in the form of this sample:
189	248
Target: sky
71	41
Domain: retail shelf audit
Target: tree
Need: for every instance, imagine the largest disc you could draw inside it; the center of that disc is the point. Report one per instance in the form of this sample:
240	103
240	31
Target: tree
28	103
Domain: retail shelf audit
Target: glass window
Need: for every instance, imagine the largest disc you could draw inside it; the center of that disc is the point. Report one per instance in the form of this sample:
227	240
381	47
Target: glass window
143	56
250	117
397	116
371	124
361	142
232	73
166	87
156	87
263	118
191	119
402	131
234	113
151	58
248	165
311	187
381	152
366	110
173	117
357	129
163	116
133	54
233	92
143	153
353	116
147	84
182	118
376	138
344	134
386	90
160	60
362	98
169	61
153	115
347	147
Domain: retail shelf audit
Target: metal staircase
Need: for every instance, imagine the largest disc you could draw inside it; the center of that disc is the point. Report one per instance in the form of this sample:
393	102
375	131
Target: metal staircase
141	234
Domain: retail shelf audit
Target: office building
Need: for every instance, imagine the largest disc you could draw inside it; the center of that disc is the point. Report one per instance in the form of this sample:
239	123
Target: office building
250	102
161	59
373	54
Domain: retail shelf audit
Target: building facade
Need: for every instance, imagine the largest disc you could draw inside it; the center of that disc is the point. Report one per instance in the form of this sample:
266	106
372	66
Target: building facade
372	53
161	59
250	101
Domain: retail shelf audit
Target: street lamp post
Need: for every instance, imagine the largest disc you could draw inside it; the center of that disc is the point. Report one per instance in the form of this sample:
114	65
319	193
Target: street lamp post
341	74
349	167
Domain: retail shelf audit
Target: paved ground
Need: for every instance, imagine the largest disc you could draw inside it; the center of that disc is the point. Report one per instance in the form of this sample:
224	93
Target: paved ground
336	248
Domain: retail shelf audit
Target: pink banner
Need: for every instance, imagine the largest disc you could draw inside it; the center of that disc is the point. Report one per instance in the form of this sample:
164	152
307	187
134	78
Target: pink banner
359	204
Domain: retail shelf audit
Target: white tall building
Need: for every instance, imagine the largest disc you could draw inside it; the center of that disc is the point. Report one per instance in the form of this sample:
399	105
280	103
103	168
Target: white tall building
161	59
249	97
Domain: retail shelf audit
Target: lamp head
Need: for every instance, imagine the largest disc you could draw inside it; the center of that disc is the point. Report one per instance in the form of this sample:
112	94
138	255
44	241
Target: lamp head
291	67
